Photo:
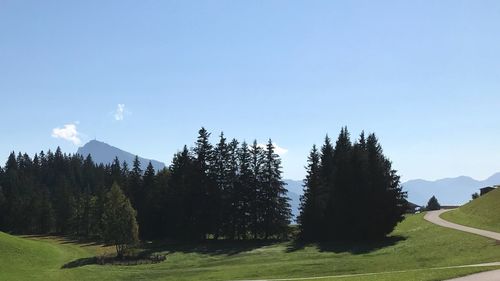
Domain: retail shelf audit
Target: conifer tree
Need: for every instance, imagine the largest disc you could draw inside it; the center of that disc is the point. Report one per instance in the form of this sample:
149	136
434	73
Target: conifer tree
244	193
145	215
311	208
276	211
352	192
255	195
120	227
206	193
433	204
135	193
219	196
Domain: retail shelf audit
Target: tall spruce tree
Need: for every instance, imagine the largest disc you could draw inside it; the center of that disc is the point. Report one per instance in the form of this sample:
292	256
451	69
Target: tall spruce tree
146	216
207	196
220	201
276	212
311	207
433	204
134	190
244	193
255	197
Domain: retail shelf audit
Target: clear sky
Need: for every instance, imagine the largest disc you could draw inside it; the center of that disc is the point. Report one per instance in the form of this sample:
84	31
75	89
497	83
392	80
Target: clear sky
146	75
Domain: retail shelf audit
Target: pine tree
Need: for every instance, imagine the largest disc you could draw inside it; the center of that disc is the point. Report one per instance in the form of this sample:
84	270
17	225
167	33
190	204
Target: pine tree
351	192
219	196
340	194
385	192
244	193
206	210
231	198
145	215
186	200
433	204
276	209
134	190
119	221
255	194
311	208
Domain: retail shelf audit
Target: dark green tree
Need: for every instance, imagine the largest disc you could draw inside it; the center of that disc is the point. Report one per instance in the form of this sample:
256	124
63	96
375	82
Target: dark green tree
206	196
120	227
146	214
243	193
433	204
276	212
255	200
312	205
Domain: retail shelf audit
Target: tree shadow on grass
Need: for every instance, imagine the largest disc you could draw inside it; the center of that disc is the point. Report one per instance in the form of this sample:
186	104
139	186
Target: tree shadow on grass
80	262
82	242
209	247
352	247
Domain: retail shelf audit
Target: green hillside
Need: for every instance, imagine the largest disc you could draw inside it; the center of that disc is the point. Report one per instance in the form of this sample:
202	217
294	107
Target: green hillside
483	212
417	248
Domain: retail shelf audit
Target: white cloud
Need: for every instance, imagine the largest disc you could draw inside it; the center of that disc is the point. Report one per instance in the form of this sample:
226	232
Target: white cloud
277	149
68	132
120	110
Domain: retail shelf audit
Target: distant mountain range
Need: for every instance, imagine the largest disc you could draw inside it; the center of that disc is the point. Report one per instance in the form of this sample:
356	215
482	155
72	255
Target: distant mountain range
104	153
449	191
294	191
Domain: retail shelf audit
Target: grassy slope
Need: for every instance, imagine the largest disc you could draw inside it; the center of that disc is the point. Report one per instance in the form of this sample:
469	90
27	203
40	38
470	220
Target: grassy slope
420	245
483	212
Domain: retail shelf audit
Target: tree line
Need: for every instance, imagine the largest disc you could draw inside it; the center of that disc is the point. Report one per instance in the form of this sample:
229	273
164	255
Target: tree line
227	190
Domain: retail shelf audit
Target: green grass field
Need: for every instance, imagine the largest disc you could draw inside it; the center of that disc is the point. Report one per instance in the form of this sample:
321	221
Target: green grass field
483	212
416	247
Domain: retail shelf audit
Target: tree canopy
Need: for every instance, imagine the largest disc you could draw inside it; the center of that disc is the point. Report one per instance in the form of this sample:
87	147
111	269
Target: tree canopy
119	220
351	191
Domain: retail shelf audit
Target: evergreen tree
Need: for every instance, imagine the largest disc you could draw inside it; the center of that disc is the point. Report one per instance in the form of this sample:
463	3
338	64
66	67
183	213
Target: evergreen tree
119	221
351	192
145	215
311	207
276	211
220	173
186	200
205	191
433	204
243	193
255	196
231	198
134	190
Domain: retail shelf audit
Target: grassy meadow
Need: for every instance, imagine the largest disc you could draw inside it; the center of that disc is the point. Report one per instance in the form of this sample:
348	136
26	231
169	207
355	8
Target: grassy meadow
483	212
416	250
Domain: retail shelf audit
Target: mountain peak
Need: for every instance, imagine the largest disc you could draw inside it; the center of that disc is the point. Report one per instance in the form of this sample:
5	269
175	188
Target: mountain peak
104	153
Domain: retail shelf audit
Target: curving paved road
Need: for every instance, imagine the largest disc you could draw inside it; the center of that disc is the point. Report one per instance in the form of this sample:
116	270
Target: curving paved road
433	216
494	275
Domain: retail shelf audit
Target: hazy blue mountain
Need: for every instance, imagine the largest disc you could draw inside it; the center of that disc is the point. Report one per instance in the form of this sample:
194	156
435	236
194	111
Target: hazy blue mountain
104	153
294	191
449	191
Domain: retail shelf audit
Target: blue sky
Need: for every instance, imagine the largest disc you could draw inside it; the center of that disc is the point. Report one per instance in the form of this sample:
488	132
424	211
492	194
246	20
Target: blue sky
423	75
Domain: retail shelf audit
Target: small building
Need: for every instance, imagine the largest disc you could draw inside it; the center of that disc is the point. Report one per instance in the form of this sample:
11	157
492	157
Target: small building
485	190
412	208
